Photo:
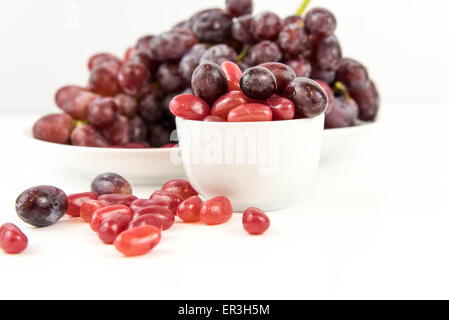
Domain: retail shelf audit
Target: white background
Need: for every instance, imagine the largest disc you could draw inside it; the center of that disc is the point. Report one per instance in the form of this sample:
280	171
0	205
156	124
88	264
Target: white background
373	225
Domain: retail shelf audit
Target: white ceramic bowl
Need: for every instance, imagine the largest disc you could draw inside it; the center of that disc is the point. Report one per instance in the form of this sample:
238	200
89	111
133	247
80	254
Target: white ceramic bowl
138	166
266	169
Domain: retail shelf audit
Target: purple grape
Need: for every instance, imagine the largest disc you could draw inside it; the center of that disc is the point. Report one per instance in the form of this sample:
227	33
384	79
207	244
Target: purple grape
283	74
150	106
209	82
266	26
301	66
42	206
237	8
183	25
212	26
54	128
218	54
352	74
126	104
264	51
320	22
343	114
77	105
293	39
258	83
133	77
191	60
172	45
102	113
241	29
145	58
85	135
118	134
158	135
327	76
103	80
138	130
67	93
368	101
294	20
326	53
170	78
330	95
309	97
110	183
100	58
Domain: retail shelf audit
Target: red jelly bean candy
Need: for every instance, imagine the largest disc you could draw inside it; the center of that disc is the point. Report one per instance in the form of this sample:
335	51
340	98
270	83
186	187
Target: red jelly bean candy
89	207
112	226
112	199
161	221
214	119
172	198
255	221
250	112
228	102
12	239
233	74
282	108
101	214
144	203
138	241
190	107
189	210
182	187
216	211
154	210
76	200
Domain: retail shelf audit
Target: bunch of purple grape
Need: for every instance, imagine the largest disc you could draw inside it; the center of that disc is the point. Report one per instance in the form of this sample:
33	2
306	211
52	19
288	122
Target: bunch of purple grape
126	100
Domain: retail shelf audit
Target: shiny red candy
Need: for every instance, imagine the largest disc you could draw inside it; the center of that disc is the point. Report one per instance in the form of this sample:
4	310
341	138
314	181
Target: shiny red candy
138	241
88	208
233	74
190	107
154	210
172	198
189	210
214	119
144	203
216	211
112	199
12	240
76	200
101	214
282	108
112	226
255	221
182	187
228	102
250	112
161	221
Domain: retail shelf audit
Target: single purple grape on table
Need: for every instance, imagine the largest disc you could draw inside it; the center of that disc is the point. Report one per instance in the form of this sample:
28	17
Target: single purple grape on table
266	26
209	82
191	60
343	114
172	45
42	206
119	133
237	8
295	19
110	183
138	129
102	113
320	22
241	29
218	54
293	39
368	101
264	51
103	80
258	83
170	78
212	26
100	58
326	53
126	104
327	76
67	93
309	97
329	93
352	74
301	66
85	135
158	135
133	77
54	128
78	104
283	74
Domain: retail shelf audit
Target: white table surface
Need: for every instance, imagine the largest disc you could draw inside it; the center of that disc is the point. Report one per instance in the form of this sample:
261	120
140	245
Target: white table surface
375	224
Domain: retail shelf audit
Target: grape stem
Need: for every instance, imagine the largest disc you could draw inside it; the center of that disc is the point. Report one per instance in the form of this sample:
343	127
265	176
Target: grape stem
340	87
243	53
303	7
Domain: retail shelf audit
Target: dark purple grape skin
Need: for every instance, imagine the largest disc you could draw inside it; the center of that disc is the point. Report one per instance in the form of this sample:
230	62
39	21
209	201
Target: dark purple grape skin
301	66
119	133
102	112
172	45
103	80
293	39
264	51
138	130
330	95
368	101
326	53
343	114
110	183
86	135
127	104
54	128
327	76
320	22
241	29
77	105
158	135
42	206
237	8
218	54
258	83
294	20
309	97
352	74
266	26
170	78
209	82
133	76
212	26
101	58
183	25
150	106
283	74
191	60
144	58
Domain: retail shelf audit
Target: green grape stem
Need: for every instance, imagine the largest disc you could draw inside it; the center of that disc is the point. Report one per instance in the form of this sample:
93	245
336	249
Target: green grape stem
303	7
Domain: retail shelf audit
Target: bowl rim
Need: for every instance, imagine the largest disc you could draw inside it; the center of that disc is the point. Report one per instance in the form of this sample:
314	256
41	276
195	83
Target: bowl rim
252	123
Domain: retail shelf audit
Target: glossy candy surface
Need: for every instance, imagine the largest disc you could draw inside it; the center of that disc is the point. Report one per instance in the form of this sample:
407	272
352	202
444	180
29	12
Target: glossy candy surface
189	209
215	211
172	198
111	199
255	221
189	107
250	112
12	239
101	214
180	186
160	221
112	226
138	241
88	208
76	200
